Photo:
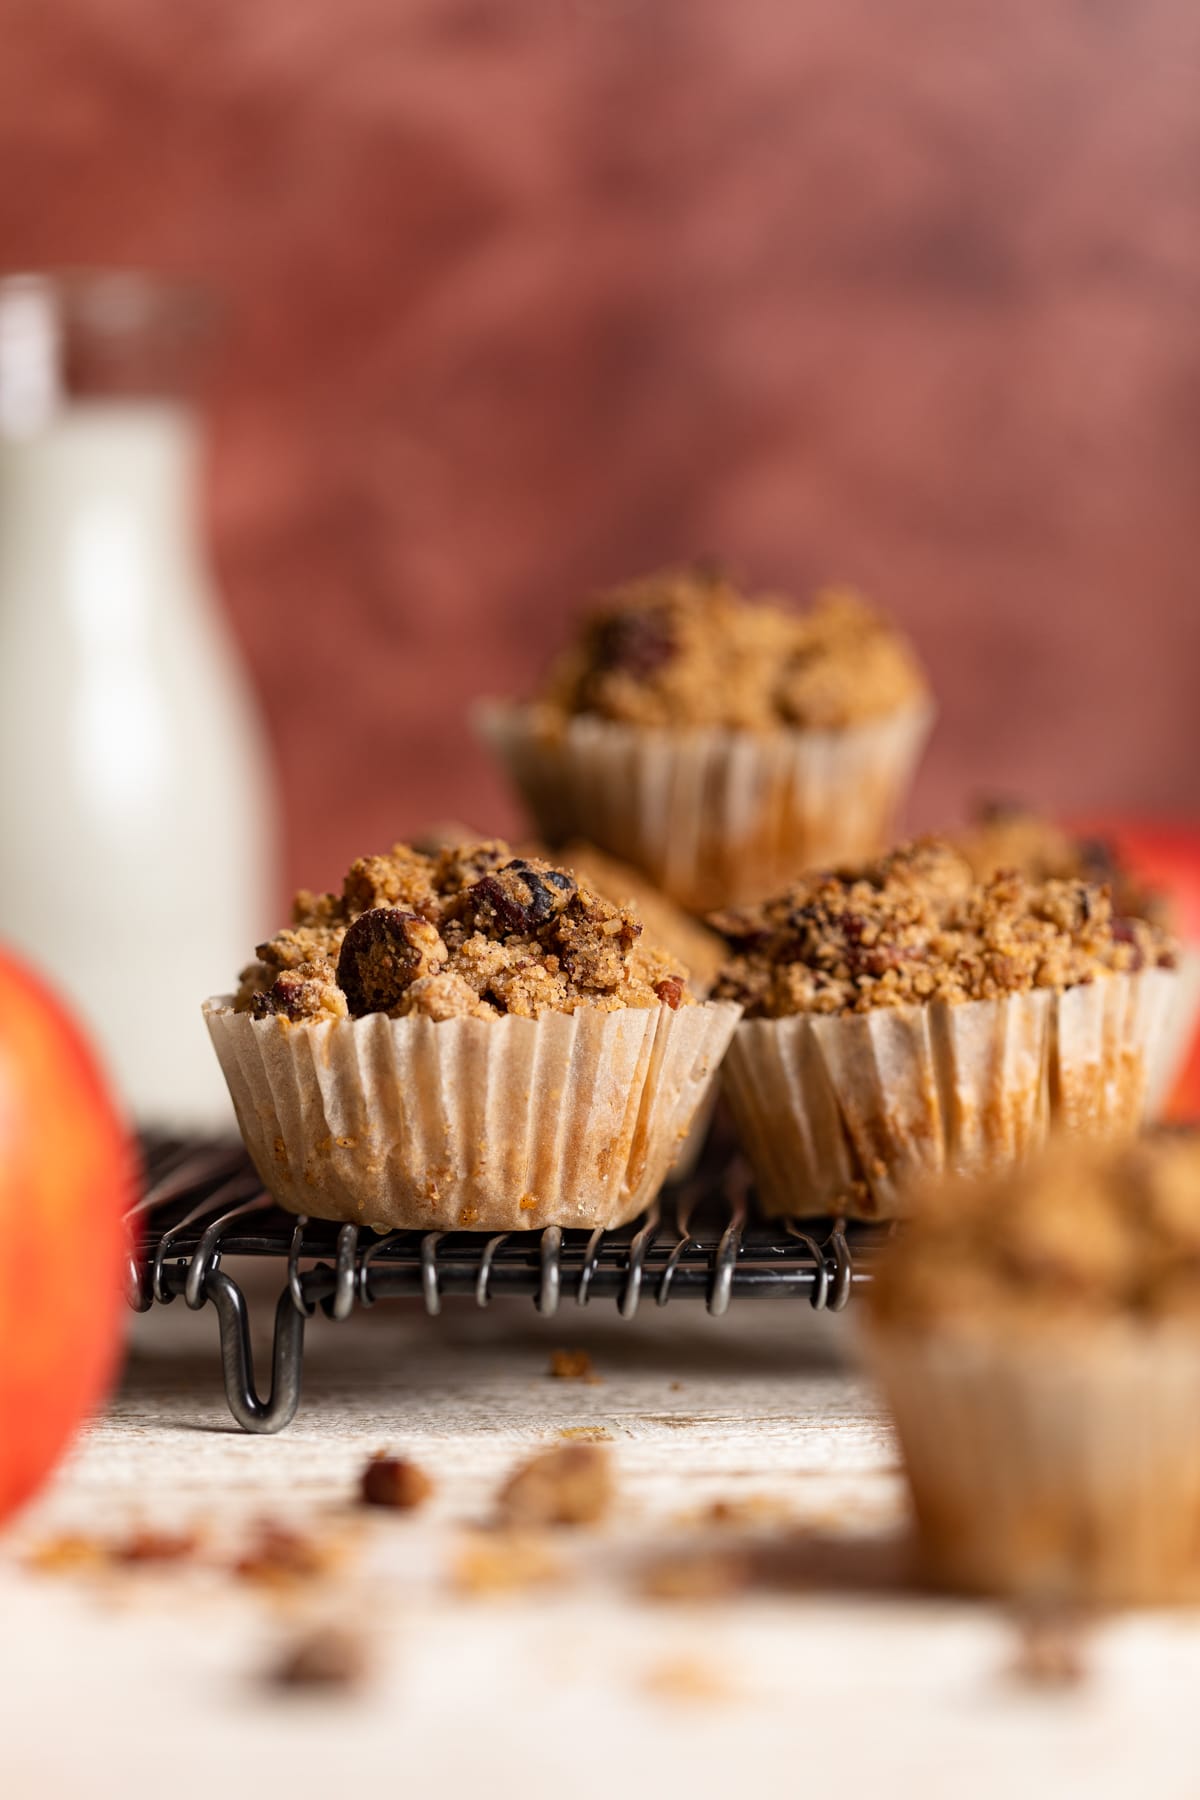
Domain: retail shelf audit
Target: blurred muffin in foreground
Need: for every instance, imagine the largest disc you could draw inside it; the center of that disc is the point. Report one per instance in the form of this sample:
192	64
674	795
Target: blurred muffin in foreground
721	744
1037	1336
902	1019
475	1039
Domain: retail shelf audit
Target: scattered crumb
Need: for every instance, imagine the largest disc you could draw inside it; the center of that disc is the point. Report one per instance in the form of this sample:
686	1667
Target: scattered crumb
747	1511
586	1434
1051	1649
570	1485
330	1657
68	1554
574	1365
501	1562
677	1387
687	1678
150	1546
74	1553
697	1575
396	1482
278	1555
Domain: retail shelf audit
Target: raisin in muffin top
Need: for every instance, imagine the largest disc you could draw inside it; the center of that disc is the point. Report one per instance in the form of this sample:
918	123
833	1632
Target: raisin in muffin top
472	932
916	926
1008	836
1079	1231
685	648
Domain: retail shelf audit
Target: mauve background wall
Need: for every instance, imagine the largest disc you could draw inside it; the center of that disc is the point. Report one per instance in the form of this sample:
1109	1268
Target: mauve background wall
529	295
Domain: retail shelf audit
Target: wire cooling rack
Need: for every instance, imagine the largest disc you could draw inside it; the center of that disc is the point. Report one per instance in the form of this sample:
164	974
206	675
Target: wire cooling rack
203	1203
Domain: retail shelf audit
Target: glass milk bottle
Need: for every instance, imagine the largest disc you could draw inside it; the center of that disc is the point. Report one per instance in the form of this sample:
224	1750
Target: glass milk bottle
136	830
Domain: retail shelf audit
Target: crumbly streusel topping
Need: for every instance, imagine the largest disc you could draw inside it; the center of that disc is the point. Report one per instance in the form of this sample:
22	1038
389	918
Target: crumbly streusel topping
682	936
916	926
1006	836
684	647
473	932
1079	1230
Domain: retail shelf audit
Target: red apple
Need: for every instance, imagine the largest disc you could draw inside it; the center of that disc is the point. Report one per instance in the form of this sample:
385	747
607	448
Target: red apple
66	1170
1166	857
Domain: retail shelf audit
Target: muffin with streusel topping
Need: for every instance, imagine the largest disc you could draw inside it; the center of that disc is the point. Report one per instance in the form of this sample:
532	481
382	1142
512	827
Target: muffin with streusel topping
472	1039
903	1019
1037	1335
720	743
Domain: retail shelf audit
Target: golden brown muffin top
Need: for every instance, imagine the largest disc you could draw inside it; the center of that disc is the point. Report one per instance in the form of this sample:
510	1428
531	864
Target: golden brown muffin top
686	648
1077	1232
471	932
1004	835
916	926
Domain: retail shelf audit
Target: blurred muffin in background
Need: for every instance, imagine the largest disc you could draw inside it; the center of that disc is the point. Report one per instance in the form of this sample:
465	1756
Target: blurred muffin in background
721	744
1037	1336
902	1019
1007	835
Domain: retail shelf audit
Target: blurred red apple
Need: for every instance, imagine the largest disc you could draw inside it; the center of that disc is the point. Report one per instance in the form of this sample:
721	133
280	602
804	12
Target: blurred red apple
1165	857
66	1168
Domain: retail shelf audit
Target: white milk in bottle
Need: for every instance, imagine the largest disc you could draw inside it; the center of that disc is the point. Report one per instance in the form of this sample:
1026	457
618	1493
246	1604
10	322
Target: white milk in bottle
136	830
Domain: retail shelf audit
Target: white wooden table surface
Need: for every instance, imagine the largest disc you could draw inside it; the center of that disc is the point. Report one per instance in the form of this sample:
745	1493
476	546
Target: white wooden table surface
151	1682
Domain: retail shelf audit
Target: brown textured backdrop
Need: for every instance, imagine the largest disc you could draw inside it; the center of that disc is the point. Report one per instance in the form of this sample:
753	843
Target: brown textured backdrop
529	295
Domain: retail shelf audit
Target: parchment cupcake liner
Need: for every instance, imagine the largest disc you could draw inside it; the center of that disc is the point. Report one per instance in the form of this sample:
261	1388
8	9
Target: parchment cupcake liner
714	817
692	1148
842	1113
1063	1467
1178	1032
493	1125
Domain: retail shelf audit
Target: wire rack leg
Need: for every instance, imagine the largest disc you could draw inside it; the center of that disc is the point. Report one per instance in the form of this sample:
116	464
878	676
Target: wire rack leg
237	1358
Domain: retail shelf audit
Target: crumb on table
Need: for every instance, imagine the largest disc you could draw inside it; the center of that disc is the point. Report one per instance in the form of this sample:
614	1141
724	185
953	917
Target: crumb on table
571	1484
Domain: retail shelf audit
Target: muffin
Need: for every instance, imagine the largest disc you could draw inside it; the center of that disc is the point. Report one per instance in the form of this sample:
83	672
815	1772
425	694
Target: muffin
1008	836
1037	1335
720	744
903	1019
472	1039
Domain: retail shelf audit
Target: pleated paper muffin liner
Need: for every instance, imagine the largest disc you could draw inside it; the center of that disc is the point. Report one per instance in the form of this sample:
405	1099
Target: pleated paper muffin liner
714	817
1174	1042
1063	1466
841	1113
492	1125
